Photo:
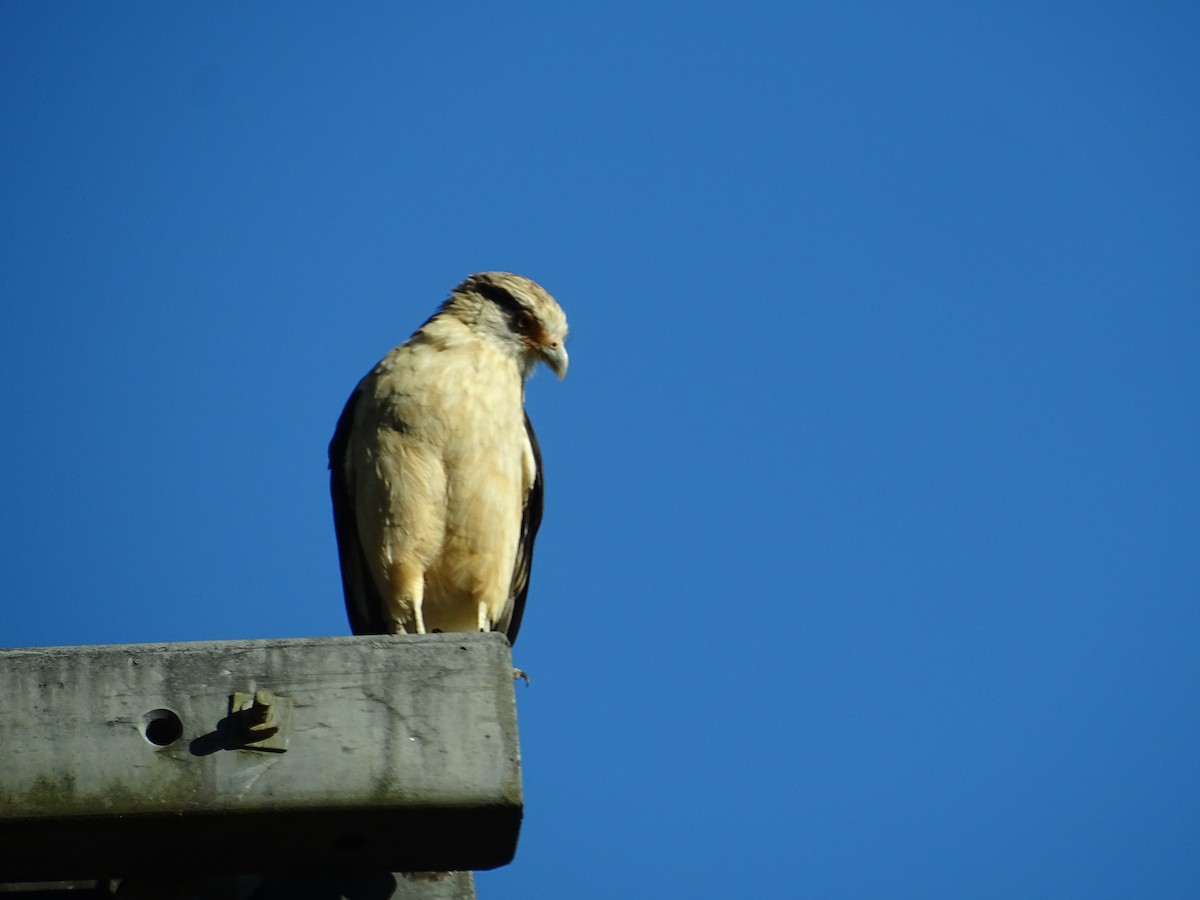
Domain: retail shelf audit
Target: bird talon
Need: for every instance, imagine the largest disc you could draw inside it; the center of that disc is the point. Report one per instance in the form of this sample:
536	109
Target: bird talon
520	673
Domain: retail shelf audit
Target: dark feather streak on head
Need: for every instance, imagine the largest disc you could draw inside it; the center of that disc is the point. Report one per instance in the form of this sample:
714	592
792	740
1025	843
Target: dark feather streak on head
493	292
499	295
521	320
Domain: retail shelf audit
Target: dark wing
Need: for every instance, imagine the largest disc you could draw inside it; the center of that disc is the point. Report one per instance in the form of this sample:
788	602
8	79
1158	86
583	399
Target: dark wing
364	606
531	520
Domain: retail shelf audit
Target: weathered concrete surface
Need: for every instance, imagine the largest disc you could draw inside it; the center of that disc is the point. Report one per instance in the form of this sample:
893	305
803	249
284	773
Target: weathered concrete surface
395	753
326	885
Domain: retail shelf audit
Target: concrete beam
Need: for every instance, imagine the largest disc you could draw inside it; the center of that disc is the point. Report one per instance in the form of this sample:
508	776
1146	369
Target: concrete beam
384	753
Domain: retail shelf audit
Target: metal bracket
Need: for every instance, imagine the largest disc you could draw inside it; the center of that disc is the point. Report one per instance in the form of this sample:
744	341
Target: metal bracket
261	719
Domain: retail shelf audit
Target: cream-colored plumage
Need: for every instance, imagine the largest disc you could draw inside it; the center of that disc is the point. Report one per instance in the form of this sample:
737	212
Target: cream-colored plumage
435	470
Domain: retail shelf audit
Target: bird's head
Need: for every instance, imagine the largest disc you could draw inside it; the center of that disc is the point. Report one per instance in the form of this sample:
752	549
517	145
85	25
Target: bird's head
517	313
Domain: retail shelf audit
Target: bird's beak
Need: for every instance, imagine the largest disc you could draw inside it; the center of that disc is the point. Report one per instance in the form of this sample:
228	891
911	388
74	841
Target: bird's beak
554	355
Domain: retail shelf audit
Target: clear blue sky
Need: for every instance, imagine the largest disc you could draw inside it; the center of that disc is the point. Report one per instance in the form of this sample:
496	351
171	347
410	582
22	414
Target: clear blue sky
871	562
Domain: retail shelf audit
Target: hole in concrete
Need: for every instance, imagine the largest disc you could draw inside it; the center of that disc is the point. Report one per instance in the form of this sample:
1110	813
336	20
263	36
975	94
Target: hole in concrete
161	727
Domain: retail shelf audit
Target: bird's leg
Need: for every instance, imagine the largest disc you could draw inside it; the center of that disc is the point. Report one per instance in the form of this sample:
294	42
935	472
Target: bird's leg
406	599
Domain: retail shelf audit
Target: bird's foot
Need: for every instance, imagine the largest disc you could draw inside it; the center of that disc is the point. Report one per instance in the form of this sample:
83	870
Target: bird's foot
520	673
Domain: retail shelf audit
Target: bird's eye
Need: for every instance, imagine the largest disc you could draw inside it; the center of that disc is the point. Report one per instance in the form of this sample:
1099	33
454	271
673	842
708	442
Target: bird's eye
523	322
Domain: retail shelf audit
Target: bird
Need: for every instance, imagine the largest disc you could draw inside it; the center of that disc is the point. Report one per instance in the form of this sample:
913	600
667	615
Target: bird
435	469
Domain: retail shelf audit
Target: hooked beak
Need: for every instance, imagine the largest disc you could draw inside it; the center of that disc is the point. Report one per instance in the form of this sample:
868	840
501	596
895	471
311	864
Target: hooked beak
554	355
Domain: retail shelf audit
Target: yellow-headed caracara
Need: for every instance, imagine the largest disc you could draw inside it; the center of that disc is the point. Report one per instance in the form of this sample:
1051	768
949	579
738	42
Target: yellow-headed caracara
435	471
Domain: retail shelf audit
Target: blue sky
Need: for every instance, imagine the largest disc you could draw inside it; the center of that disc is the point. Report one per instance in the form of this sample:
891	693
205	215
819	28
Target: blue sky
870	558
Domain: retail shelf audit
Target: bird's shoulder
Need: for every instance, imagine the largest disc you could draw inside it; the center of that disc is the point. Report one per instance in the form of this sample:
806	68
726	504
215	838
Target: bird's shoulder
434	371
